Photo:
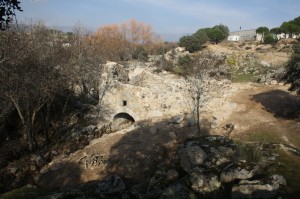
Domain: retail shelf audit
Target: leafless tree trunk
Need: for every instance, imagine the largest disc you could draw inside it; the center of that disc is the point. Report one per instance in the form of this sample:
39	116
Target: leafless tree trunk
196	83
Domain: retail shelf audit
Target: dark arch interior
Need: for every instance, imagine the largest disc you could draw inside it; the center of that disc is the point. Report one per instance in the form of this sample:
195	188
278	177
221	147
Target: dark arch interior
124	116
122	121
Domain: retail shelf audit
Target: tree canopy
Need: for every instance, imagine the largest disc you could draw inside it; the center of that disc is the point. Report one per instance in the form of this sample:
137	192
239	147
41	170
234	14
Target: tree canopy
290	28
7	12
262	30
266	36
217	33
224	29
191	43
276	30
195	41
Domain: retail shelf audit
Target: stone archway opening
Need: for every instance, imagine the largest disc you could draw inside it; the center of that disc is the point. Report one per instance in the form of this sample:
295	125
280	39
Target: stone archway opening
122	121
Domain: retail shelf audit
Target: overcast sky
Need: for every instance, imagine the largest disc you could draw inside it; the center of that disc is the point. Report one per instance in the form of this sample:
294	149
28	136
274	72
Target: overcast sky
165	16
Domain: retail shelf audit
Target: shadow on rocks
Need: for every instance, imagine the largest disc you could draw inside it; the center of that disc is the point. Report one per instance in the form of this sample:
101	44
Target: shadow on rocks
150	147
57	176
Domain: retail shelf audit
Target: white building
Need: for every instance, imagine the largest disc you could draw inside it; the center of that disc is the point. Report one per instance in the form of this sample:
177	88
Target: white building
243	35
251	35
233	38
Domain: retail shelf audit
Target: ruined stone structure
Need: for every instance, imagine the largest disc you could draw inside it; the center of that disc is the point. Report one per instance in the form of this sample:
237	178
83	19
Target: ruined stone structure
144	96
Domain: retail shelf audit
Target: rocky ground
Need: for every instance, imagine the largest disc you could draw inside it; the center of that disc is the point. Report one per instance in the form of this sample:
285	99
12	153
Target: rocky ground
154	151
248	147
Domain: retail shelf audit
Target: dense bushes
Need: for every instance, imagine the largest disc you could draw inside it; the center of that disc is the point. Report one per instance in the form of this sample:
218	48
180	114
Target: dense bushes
191	43
195	42
37	70
217	33
270	39
293	70
189	64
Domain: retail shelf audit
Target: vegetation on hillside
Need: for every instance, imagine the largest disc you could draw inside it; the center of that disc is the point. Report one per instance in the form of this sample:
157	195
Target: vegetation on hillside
194	42
290	29
293	70
47	76
124	41
41	67
37	75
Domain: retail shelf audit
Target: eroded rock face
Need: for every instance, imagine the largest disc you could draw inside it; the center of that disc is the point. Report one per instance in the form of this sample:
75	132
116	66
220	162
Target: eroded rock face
151	95
259	188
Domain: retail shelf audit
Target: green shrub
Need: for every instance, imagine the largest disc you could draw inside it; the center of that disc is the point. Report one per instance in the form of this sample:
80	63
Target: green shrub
179	70
270	39
293	70
185	60
192	43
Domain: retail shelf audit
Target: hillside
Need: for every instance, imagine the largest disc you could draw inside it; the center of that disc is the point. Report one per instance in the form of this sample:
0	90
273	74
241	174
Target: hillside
146	143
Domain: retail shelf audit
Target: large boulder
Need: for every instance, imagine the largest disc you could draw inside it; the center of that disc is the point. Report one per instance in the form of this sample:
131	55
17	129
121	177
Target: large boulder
265	64
240	171
273	77
191	155
204	182
174	54
219	156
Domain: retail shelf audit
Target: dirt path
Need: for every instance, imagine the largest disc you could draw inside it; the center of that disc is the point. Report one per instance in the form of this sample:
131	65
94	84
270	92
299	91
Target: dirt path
269	110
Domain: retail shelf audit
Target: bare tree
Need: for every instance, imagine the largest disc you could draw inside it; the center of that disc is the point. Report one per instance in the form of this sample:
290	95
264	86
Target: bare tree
199	84
197	89
86	61
115	42
31	72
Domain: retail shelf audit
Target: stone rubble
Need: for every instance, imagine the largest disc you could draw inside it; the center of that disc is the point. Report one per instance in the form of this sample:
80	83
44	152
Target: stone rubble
202	172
